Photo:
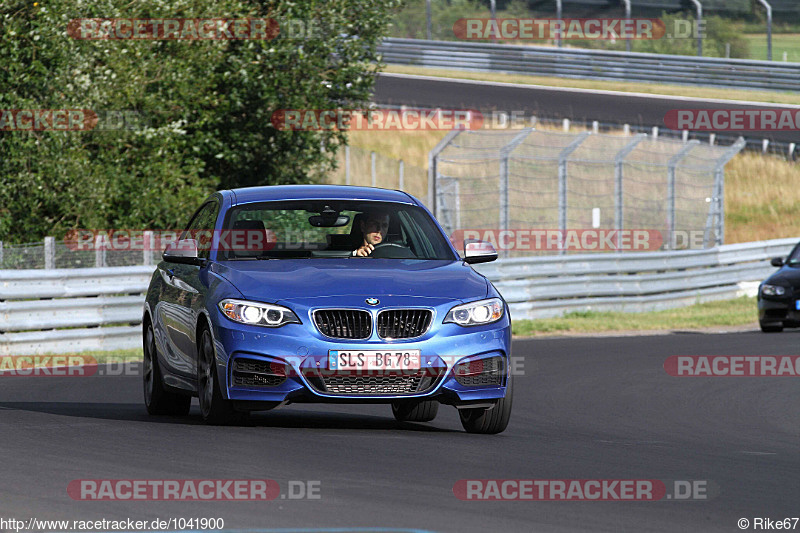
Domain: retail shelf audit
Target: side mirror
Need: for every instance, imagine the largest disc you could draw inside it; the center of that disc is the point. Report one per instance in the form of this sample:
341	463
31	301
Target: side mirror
476	251
183	251
777	261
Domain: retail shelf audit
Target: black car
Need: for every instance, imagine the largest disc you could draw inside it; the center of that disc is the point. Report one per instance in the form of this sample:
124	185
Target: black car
779	295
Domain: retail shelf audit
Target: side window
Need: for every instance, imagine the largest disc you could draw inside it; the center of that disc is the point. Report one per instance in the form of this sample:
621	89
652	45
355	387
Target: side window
201	227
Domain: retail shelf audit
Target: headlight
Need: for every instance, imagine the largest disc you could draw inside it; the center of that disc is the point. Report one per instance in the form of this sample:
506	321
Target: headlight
476	313
772	290
257	314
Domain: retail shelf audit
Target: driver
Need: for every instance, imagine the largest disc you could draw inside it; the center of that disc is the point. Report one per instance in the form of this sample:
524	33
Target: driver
374	228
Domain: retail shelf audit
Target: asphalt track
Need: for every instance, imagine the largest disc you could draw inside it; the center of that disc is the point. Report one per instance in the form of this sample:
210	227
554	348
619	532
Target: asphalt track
552	102
585	408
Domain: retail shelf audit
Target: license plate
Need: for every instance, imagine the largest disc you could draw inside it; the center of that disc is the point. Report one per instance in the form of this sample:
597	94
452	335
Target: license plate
374	360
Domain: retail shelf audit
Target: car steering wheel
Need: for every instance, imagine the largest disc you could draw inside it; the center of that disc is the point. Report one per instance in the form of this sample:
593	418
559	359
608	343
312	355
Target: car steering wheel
391	250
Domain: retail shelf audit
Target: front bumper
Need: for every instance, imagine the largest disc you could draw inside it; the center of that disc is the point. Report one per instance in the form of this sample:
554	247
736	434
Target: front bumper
775	312
303	356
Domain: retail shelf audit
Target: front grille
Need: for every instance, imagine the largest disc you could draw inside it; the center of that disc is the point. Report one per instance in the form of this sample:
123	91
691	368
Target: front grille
403	323
775	313
376	384
386	384
481	373
343	323
256	373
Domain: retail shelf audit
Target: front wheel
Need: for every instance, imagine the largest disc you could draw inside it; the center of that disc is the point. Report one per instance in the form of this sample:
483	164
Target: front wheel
213	407
157	399
771	329
488	421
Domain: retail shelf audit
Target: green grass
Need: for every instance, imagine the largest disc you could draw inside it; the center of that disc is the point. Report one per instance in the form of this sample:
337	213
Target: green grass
112	356
737	312
781	42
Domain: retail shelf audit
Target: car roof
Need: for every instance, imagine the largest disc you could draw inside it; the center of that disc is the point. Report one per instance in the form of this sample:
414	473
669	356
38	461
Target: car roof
315	192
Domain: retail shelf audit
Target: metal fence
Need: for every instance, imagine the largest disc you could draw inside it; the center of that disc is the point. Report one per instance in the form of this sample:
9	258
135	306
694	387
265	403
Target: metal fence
72	310
52	254
593	64
511	179
357	166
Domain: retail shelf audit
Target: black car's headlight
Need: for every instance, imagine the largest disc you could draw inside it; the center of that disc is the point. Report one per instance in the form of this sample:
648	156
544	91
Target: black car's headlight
257	314
476	313
772	290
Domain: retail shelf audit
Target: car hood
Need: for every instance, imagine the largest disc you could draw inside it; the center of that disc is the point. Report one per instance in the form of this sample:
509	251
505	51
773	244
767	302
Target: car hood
788	276
287	279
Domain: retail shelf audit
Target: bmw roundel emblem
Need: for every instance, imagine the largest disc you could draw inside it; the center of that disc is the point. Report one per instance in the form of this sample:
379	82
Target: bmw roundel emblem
373	301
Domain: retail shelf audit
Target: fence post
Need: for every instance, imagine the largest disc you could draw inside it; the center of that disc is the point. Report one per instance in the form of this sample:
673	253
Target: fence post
559	10
147	248
619	160
627	16
562	181
1	255
347	165
718	202
372	156
100	250
49	253
768	7
699	7
428	19
504	156
433	170
671	166
401	182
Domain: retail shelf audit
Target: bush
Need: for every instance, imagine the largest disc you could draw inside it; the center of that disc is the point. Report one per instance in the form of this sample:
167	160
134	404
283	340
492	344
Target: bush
204	109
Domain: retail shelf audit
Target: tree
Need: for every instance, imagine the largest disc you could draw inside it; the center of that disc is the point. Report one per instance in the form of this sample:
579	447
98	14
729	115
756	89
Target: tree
201	108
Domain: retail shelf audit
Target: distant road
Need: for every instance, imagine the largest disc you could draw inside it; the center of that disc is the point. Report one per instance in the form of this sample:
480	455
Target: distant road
552	102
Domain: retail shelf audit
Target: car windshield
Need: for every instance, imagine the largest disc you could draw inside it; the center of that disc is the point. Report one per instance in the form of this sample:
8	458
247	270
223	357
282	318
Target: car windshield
794	258
331	229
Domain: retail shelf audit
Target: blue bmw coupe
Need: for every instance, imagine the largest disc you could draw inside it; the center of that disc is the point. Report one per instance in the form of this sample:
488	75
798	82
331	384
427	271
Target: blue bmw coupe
305	293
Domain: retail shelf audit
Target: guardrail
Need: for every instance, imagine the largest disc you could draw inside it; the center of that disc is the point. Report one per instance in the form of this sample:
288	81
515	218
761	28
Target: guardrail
593	64
72	310
102	307
541	287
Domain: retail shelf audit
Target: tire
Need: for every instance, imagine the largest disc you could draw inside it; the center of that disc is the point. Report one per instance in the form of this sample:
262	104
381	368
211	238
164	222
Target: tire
214	408
771	329
157	399
405	411
489	421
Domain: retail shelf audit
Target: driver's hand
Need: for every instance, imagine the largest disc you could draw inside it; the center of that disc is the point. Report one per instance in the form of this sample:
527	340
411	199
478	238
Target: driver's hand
364	251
